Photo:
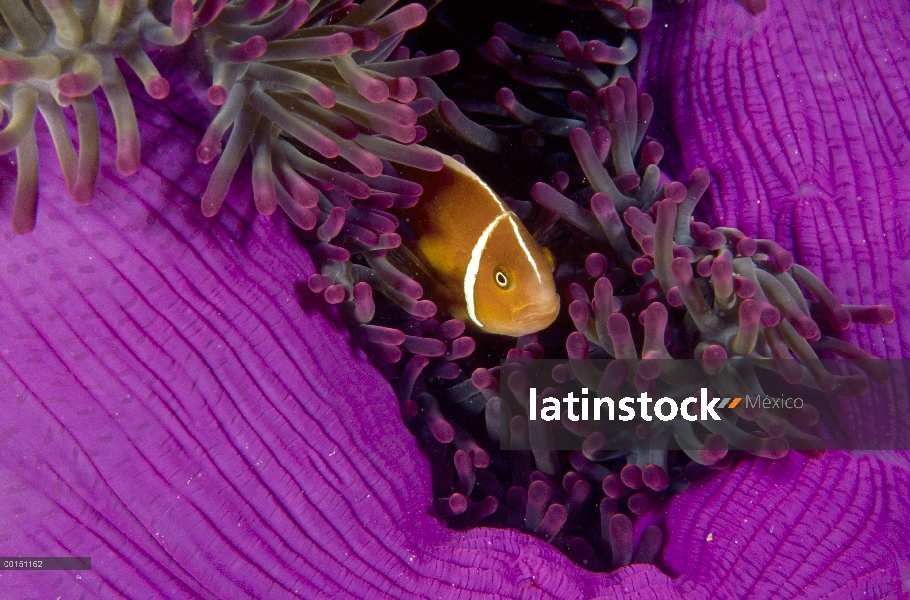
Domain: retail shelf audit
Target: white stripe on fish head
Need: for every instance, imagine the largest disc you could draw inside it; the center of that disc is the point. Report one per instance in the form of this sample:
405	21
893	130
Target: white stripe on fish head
513	220
470	276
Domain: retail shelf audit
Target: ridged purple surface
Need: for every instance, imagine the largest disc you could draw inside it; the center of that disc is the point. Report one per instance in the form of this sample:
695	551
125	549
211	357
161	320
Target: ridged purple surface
795	528
801	116
173	408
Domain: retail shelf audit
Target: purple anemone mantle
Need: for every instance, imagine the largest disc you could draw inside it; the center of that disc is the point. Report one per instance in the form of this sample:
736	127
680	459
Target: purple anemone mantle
173	408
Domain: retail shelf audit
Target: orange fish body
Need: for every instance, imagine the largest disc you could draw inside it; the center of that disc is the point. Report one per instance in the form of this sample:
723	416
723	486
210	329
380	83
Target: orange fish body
476	259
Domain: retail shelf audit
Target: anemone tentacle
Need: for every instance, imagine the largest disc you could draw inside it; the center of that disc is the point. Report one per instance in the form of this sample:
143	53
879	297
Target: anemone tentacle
320	92
314	72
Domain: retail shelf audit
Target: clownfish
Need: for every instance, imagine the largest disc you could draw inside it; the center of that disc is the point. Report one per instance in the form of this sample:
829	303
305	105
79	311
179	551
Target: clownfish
473	255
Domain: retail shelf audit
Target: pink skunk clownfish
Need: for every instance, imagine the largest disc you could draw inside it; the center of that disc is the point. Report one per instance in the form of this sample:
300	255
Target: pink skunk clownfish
473	256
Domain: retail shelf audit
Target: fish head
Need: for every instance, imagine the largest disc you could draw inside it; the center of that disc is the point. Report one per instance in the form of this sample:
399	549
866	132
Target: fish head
513	289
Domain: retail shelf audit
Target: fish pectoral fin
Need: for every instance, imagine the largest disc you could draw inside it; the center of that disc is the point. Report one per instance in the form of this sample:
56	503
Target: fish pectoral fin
549	258
406	261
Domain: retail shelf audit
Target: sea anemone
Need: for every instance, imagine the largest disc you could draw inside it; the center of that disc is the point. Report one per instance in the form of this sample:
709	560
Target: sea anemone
62	54
546	74
309	90
640	274
323	96
286	78
170	395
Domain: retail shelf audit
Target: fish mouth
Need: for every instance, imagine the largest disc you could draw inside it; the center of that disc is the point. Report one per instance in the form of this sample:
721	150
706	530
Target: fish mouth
536	316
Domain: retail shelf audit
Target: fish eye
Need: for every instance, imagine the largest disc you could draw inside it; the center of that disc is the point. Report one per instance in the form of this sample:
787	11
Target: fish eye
502	280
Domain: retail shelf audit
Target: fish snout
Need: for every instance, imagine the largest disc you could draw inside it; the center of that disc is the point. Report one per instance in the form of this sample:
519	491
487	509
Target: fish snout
536	315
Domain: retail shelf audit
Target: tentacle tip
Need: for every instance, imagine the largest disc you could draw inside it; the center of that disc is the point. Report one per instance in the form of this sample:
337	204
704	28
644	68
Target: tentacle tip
23	222
782	261
216	95
675	192
128	164
566	39
7	73
206	153
69	84
267	207
255	47
334	294
826	382
773	448
841	319
158	87
681	270
443	432
424	309
807	328
434	164
374	90
409	410
451	59
887	315
770	317
83	192
755	7
325	97
210	206
746	247
363	39
712	457
329	150
505	98
814	453
638	17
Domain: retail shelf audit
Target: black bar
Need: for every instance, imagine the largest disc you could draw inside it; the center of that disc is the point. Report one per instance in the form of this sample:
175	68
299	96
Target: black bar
45	563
